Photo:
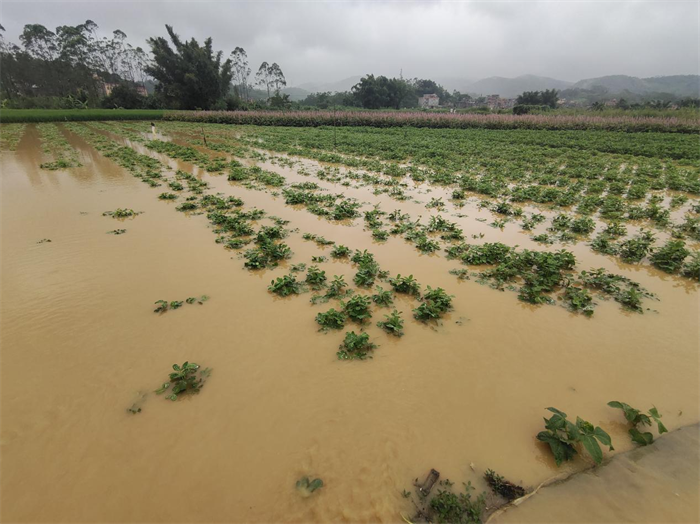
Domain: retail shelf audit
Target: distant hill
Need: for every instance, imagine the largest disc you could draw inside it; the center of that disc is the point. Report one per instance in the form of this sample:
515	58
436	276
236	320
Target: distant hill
296	93
679	85
512	87
339	86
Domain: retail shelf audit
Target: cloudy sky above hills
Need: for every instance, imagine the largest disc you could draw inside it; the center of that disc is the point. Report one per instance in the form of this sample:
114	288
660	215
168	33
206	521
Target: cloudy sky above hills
325	41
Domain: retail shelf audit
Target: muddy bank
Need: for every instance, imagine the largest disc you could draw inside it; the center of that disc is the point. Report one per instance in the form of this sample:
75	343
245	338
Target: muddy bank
657	483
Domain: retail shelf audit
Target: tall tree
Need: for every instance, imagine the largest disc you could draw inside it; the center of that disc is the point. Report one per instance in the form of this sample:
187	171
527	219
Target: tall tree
241	71
270	77
189	75
40	42
277	76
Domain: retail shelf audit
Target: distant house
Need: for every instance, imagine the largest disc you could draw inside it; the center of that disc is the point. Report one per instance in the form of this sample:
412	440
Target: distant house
108	87
428	101
496	102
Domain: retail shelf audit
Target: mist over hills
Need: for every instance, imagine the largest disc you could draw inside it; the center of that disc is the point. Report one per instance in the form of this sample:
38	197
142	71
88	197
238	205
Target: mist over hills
678	85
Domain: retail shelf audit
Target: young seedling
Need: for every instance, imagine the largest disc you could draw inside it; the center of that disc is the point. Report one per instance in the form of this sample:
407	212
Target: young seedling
162	306
121	213
306	487
182	379
636	417
562	435
506	489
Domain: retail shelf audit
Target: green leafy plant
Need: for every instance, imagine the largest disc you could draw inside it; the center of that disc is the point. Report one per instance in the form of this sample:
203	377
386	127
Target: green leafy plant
579	300
452	508
315	277
691	269
562	435
671	256
186	206
183	378
393	324
285	286
506	489
407	285
434	304
162	306
121	213
357	308
337	287
331	319
340	251
635	249
383	297
355	347
306	487
116	232
636	417
167	196
201	300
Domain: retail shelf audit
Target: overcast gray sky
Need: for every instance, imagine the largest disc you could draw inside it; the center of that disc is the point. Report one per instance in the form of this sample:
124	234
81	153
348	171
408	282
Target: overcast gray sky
328	41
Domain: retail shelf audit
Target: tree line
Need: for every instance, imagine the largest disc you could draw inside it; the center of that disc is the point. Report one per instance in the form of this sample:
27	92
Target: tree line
381	92
74	67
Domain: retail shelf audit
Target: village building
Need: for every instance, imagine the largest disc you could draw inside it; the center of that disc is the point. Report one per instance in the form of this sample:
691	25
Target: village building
428	101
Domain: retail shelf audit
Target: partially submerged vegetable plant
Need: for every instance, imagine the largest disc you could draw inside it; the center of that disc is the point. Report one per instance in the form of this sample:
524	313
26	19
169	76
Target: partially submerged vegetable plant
407	285
340	251
315	277
306	487
164	305
121	213
383	297
357	308
450	508
671	256
355	346
434	304
504	488
393	324
562	435
184	378
636	417
285	286
331	319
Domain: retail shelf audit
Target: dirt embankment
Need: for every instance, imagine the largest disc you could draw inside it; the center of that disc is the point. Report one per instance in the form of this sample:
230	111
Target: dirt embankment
658	483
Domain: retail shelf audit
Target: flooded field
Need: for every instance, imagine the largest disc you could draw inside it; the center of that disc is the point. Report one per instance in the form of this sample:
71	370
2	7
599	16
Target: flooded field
102	220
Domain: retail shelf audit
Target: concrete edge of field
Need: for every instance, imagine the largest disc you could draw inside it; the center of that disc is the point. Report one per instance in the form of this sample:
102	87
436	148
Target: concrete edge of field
656	483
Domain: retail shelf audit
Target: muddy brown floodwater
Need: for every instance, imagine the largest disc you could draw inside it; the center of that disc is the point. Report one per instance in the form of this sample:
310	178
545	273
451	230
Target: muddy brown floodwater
80	344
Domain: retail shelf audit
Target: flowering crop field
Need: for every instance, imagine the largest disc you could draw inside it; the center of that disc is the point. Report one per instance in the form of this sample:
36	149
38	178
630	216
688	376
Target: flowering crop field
439	120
